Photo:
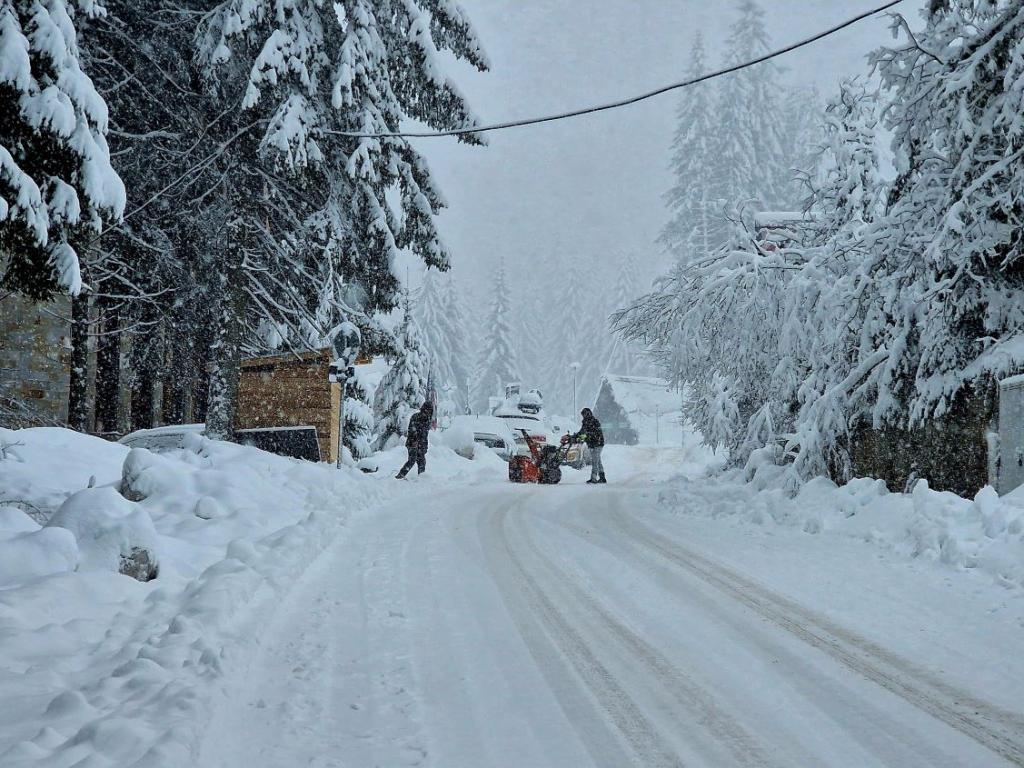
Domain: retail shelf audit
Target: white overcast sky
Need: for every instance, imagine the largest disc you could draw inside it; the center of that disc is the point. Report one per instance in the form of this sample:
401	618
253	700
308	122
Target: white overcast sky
594	185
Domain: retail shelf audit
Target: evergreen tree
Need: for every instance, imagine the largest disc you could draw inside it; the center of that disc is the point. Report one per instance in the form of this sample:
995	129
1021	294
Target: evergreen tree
306	77
500	364
570	344
404	387
443	328
801	119
695	227
57	184
751	161
532	322
621	357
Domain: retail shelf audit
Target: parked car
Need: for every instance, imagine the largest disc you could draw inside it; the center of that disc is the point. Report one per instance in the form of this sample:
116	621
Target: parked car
162	439
489	431
536	426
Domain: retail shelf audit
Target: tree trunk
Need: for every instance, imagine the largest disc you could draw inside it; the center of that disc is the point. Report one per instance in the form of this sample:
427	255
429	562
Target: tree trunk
142	398
176	381
78	393
108	374
225	352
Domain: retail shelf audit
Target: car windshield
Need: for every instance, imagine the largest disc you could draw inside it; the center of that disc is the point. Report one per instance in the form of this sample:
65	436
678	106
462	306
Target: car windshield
522	416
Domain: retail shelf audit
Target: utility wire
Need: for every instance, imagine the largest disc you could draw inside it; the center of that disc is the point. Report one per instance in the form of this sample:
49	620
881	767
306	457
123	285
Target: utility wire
623	102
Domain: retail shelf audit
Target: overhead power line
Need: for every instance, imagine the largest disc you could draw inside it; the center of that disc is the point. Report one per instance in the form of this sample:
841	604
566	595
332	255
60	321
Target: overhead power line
624	102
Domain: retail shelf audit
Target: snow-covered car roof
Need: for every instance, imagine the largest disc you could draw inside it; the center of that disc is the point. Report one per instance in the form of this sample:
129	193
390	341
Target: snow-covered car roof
161	438
491	424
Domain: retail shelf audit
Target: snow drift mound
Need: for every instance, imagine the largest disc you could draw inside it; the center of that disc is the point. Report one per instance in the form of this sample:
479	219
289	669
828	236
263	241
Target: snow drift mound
113	534
100	669
984	534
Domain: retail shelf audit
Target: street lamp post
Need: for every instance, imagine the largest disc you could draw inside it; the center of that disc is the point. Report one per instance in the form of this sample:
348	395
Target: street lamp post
575	369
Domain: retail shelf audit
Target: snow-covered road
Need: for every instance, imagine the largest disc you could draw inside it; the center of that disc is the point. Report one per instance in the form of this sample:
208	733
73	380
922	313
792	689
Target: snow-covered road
484	624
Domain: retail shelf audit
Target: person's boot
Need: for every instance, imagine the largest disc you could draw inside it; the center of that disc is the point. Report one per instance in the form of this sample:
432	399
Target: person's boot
602	480
592	481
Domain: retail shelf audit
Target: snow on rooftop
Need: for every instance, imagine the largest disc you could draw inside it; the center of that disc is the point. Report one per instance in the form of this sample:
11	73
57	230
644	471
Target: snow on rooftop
653	408
779	218
643	394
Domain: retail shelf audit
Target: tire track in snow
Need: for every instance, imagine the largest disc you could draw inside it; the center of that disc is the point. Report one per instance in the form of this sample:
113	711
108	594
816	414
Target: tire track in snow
878	733
1000	731
551	639
672	689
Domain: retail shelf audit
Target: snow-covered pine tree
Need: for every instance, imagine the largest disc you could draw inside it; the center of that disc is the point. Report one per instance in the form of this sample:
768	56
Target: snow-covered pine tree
569	346
57	184
751	161
621	357
695	227
309	72
443	328
951	268
801	129
532	311
404	387
500	364
321	69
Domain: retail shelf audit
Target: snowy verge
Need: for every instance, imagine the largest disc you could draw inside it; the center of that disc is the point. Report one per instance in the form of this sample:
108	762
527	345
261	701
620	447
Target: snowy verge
985	534
101	669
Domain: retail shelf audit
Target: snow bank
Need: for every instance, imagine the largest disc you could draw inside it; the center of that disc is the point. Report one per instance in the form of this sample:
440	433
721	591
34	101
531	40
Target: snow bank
29	555
984	534
41	467
111	532
101	669
460	438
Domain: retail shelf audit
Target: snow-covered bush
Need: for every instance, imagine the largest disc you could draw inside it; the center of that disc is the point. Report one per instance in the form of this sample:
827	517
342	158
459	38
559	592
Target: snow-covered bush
29	552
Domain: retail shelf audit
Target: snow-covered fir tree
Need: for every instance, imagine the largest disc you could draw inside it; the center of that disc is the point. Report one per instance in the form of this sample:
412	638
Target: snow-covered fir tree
751	161
532	312
570	346
443	327
500	364
694	201
306	76
950	272
57	184
404	387
621	356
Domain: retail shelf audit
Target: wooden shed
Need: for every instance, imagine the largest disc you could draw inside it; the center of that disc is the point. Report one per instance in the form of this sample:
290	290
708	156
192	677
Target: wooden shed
291	390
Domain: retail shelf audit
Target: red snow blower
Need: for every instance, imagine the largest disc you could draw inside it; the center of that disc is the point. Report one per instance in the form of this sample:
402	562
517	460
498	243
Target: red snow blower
543	465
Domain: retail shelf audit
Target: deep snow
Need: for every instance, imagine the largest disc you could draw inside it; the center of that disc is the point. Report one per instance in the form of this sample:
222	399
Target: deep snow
304	616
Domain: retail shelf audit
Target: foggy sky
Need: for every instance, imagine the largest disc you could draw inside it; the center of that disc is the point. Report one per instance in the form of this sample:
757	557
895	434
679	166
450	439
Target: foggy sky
594	185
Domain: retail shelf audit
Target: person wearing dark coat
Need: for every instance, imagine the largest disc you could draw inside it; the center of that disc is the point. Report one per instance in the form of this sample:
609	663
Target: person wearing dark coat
416	440
592	434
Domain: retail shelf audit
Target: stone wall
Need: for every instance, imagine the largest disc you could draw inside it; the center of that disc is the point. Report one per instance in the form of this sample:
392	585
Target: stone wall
35	355
950	452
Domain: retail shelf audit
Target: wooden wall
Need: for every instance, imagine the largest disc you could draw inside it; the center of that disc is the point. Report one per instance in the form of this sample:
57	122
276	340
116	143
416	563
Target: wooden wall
290	391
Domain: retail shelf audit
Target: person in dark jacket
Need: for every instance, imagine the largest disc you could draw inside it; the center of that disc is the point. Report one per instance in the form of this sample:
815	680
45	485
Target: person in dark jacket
416	440
592	434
